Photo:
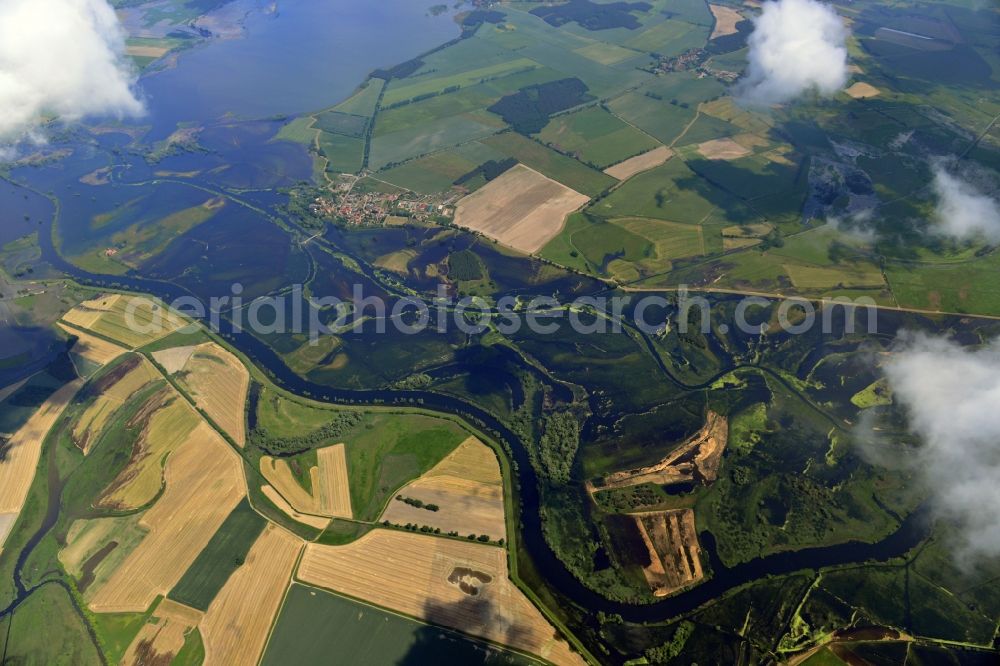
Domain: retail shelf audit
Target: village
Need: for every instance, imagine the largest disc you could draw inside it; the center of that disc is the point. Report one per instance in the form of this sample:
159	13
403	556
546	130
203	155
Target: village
348	203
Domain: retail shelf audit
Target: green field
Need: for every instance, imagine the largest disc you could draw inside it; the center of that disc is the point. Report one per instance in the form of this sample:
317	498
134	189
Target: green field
46	629
313	625
558	167
362	102
220	558
438	172
344	154
595	137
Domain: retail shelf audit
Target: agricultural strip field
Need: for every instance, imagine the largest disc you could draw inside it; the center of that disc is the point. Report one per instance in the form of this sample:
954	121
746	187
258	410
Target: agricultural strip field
168	423
218	383
596	137
236	625
22	451
522	209
204	483
639	163
113	389
726	19
467	488
457	584
333	482
306	519
112	316
315	624
94	349
163	637
223	555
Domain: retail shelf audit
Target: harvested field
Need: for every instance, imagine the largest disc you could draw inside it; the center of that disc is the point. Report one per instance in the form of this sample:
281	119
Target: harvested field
114	388
92	348
7	521
726	19
862	90
236	625
167	422
286	508
696	460
639	163
331	491
674	552
722	149
522	209
174	359
22	451
163	636
471	460
132	321
218	383
334	484
467	489
204	482
146	51
457	584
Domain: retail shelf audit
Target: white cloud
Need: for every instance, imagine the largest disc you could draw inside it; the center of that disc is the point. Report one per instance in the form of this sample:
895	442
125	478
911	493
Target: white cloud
61	58
963	211
952	398
796	46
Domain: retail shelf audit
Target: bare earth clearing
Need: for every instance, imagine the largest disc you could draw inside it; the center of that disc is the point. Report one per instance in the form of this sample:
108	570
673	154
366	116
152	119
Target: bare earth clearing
235	627
522	209
457	584
697	459
22	451
862	90
174	359
639	163
674	552
204	483
726	19
467	488
722	149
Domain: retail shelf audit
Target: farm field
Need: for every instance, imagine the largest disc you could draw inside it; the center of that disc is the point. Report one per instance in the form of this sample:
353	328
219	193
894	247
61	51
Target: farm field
562	169
452	583
204	483
218	382
643	162
329	493
279	501
109	316
163	637
521	209
22	451
167	423
96	350
235	626
313	623
595	137
112	390
467	488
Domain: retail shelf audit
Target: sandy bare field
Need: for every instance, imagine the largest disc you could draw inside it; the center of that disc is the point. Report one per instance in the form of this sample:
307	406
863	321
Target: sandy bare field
522	209
146	51
467	488
862	90
17	469
162	637
639	163
218	382
457	584
92	348
722	149
236	625
674	551
698	457
313	521
726	19
333	482
204	483
174	359
7	521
